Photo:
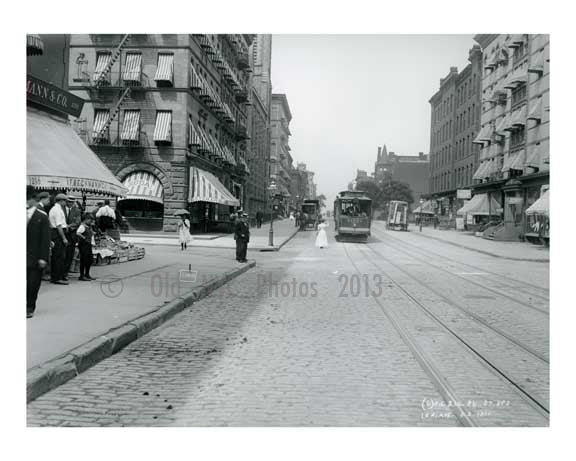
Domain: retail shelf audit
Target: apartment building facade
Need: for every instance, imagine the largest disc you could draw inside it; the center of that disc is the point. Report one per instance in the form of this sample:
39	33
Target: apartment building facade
168	115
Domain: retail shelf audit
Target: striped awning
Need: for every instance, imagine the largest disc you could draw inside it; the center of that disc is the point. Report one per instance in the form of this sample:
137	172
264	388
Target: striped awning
540	206
536	109
502	125
102	61
165	70
163	128
193	136
484	135
195	82
519	117
142	185
133	67
537	63
101	116
516	41
205	187
481	205
205	145
230	155
34	45
57	158
518	160
537	156
131	126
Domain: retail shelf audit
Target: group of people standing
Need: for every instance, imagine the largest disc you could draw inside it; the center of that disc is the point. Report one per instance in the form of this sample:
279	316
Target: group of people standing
52	235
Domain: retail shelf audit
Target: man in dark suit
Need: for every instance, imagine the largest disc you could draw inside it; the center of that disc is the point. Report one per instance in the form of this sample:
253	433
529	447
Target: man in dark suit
73	219
242	237
37	248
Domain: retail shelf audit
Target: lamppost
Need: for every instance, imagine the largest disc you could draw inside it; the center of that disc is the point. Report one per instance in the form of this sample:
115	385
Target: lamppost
272	190
421	210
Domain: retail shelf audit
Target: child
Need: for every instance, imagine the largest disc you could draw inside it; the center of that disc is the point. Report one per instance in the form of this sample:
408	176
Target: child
85	236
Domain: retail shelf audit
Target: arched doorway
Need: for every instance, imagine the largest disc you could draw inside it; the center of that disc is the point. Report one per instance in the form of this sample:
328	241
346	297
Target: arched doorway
143	207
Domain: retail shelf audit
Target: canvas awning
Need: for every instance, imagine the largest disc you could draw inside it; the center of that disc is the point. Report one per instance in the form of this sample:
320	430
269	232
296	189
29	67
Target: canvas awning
425	208
205	187
56	158
143	185
537	64
131	126
536	109
34	45
540	206
133	67
479	205
102	61
163	128
537	155
193	136
518	160
165	70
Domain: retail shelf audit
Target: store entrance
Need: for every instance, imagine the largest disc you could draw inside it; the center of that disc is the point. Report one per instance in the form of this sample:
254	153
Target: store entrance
142	215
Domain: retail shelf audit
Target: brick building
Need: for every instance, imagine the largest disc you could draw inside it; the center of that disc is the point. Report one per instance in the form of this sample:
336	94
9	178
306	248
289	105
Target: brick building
410	169
455	123
515	135
168	115
259	126
281	163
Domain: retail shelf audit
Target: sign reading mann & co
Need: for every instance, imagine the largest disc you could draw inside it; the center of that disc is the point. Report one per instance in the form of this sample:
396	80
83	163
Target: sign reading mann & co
53	97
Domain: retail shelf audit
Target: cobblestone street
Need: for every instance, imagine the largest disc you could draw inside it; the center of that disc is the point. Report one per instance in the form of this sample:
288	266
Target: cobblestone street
351	335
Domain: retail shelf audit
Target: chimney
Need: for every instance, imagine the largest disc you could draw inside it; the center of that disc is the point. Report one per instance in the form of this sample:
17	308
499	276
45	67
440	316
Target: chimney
379	153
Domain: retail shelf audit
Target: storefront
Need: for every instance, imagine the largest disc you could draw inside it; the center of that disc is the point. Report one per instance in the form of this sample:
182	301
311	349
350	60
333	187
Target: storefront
143	206
210	202
56	158
480	211
538	219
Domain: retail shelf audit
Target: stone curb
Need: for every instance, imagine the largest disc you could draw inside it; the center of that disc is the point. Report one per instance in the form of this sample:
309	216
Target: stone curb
533	260
53	373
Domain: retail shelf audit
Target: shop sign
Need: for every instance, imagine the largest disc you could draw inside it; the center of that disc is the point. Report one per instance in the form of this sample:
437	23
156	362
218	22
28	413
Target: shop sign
68	183
459	223
51	96
515	200
464	194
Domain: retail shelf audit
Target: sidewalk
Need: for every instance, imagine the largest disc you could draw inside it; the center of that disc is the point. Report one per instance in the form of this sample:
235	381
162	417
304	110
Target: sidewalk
283	231
516	251
143	293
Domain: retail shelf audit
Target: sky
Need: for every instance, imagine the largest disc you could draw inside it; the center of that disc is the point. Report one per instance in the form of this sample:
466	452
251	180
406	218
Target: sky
349	94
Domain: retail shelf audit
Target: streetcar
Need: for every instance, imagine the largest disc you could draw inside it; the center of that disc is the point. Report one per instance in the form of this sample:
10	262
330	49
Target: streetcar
309	211
397	215
352	215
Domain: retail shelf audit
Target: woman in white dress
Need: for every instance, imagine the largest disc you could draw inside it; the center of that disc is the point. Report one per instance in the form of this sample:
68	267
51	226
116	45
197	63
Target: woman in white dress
322	238
184	232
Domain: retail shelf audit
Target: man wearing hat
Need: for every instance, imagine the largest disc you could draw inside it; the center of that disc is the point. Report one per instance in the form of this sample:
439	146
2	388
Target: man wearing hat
242	237
57	218
37	248
73	219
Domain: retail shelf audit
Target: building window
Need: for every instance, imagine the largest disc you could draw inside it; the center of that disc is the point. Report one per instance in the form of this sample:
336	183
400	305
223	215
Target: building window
517	137
519	52
518	94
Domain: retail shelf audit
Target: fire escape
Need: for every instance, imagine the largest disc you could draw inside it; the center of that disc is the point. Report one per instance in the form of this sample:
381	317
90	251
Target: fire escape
102	82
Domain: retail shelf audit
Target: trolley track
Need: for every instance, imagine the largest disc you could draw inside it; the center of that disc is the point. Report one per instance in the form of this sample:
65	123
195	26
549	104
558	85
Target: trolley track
512	298
520	347
544	292
443	387
529	396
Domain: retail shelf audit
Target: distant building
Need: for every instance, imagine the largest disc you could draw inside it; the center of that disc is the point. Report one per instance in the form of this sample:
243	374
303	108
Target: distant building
280	157
515	135
258	157
455	122
410	169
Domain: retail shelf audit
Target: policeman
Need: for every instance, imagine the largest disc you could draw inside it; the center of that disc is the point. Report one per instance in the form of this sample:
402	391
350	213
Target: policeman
242	237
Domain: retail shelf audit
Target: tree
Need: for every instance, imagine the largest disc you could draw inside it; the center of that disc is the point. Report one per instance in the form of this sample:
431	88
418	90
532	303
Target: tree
383	192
